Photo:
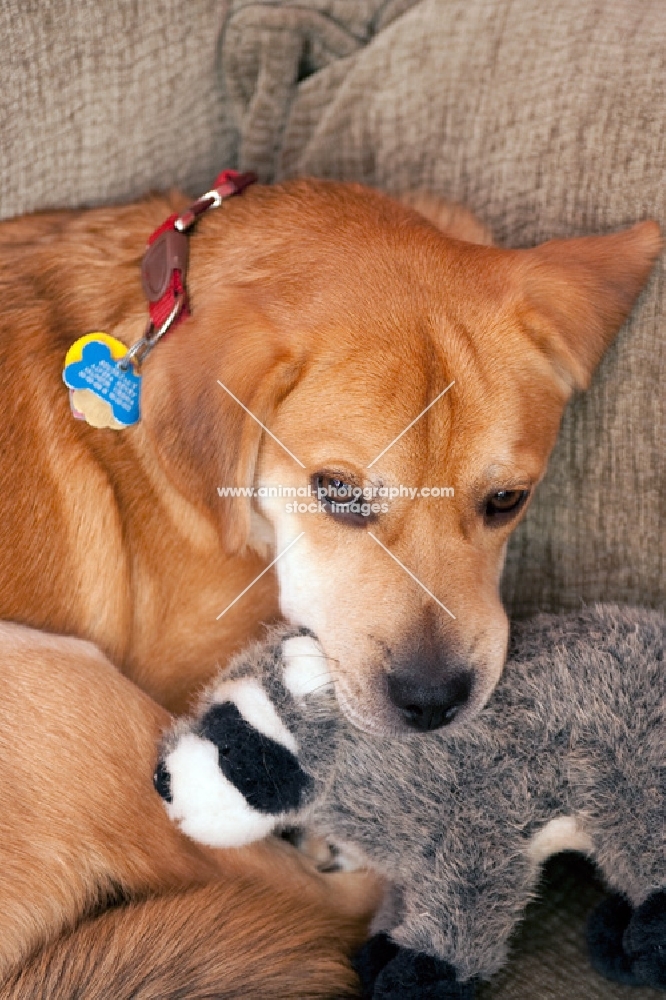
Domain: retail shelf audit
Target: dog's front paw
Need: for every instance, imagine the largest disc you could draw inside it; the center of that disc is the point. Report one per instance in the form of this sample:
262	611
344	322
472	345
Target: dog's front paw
627	945
391	972
232	775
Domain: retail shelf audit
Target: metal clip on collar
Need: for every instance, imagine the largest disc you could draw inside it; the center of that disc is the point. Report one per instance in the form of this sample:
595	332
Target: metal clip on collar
139	351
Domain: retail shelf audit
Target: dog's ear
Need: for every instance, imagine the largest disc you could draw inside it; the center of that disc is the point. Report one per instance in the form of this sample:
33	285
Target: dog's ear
575	294
208	396
449	217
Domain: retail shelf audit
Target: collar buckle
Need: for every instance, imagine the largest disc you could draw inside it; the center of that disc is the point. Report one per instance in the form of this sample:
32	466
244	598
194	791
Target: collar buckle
169	252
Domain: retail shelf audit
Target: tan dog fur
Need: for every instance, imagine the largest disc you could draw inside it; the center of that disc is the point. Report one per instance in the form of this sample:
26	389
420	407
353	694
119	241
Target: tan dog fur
335	315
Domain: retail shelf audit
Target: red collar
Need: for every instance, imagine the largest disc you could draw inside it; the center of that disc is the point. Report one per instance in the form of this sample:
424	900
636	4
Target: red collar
164	264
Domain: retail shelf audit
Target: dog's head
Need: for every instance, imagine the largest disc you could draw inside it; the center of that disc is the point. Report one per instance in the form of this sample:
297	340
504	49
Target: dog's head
393	394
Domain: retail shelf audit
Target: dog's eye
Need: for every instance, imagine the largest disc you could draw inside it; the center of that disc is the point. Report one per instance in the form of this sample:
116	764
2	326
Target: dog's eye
504	504
342	499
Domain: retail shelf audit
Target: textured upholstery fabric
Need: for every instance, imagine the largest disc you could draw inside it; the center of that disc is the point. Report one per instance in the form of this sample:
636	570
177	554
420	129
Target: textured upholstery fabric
101	101
547	119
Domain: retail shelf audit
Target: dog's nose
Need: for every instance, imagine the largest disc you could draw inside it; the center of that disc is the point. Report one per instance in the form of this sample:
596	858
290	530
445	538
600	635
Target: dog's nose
425	707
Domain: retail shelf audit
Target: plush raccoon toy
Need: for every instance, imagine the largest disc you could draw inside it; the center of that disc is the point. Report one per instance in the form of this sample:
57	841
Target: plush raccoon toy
569	753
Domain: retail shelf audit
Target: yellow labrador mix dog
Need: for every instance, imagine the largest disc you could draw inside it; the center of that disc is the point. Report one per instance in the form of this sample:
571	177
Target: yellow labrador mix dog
342	349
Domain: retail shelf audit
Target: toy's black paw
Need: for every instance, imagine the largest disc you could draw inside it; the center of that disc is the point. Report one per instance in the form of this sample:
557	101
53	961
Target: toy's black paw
627	945
389	972
645	941
605	930
369	961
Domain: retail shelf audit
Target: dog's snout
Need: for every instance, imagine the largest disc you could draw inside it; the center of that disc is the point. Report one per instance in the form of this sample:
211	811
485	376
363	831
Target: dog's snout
425	707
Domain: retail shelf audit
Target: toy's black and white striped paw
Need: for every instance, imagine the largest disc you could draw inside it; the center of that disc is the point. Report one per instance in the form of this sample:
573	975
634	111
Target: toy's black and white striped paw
232	775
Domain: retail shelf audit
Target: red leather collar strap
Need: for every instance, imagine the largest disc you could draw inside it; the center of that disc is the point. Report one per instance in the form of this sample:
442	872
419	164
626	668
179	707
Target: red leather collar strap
164	264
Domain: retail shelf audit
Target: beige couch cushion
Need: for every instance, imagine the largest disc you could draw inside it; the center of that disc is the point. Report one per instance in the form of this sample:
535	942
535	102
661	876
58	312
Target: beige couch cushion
100	101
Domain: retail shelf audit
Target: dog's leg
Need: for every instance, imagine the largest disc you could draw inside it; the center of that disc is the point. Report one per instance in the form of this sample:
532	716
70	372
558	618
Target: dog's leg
239	939
82	826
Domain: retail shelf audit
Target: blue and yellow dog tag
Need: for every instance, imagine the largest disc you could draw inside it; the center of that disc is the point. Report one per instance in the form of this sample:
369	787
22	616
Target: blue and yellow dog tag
100	391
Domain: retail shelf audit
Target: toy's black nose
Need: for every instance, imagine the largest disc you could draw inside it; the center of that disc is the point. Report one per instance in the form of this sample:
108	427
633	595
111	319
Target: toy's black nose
425	707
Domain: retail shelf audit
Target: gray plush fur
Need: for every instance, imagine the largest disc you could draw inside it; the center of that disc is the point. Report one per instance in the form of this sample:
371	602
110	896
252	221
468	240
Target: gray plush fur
576	728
